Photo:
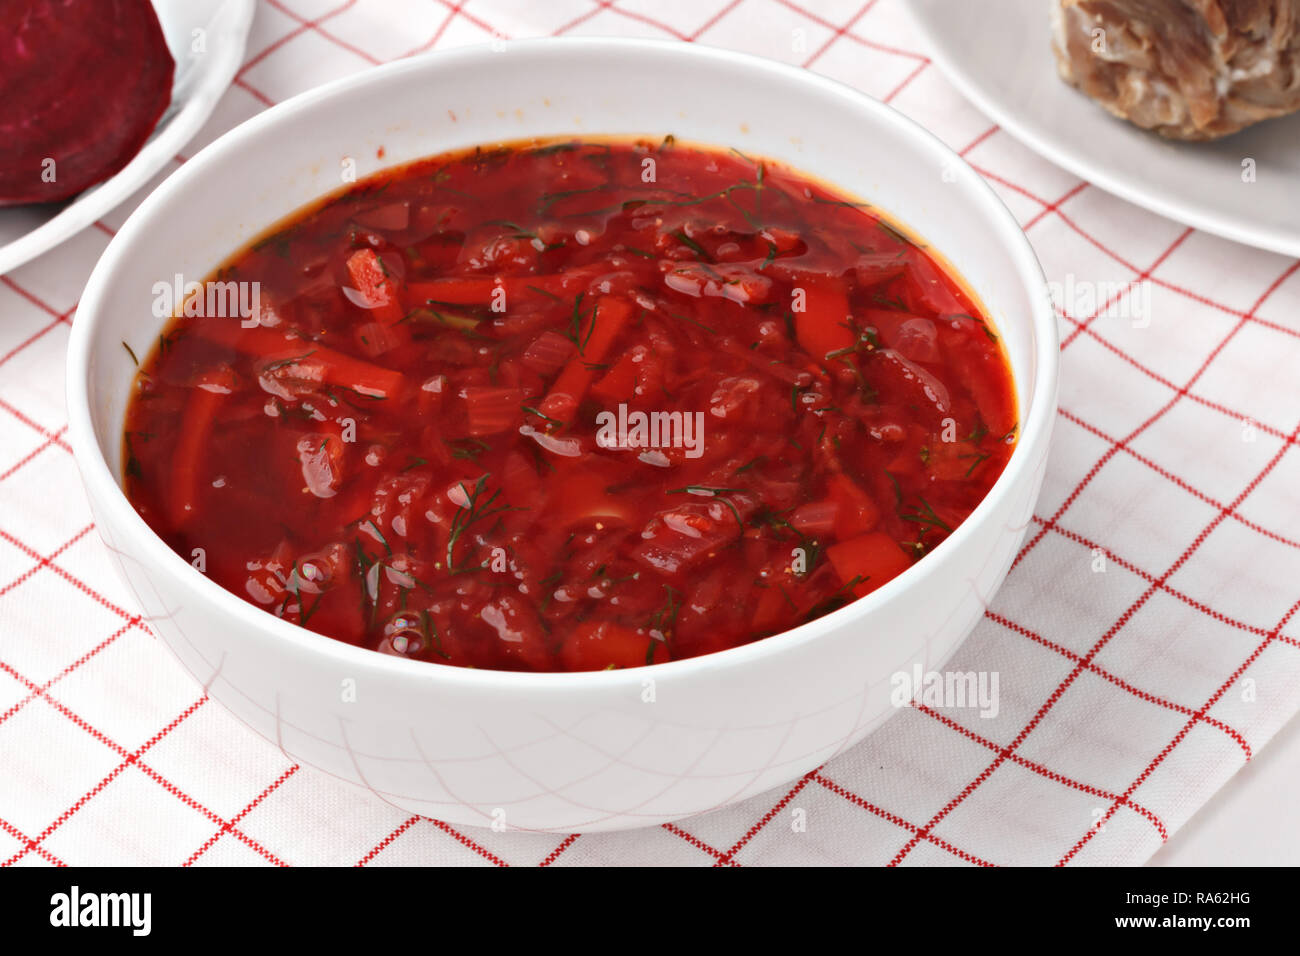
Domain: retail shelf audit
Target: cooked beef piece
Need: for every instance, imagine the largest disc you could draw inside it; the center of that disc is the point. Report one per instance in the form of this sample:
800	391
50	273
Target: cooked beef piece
1188	69
82	85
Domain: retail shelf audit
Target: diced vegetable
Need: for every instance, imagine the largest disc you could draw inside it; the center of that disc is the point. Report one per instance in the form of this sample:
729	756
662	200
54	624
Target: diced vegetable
548	353
773	607
493	410
867	561
619	383
823	324
375	338
600	645
856	512
376	289
582	495
676	541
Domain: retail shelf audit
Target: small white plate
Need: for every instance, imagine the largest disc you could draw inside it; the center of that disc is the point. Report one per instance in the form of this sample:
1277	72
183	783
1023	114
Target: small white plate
998	54
27	231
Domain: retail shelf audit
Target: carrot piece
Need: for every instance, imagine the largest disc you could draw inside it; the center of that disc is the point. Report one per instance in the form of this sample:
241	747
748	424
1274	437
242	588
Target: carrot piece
594	646
870	559
464	291
772	607
608	318
376	286
479	290
619	383
308	360
562	400
822	327
337	368
209	391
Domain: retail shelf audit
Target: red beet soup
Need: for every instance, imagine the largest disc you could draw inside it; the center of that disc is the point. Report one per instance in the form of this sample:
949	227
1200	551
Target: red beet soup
569	405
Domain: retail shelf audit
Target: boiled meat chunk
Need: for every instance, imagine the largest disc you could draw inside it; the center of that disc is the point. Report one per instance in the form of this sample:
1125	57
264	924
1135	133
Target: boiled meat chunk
1187	69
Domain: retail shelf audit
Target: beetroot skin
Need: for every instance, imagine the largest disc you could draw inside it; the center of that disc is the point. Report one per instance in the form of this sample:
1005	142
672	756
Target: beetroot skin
82	83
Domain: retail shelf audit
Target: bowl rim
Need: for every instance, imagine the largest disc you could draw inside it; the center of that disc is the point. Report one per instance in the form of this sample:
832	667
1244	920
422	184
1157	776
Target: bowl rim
103	488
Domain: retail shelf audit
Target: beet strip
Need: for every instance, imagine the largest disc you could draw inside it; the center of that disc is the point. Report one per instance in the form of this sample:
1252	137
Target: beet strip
83	83
608	317
205	399
326	365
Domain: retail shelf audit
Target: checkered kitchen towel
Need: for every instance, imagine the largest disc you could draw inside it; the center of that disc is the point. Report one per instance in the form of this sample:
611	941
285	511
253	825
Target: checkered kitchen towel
1145	637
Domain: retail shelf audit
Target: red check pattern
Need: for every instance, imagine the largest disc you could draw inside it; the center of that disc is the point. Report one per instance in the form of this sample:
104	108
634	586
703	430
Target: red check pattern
1145	639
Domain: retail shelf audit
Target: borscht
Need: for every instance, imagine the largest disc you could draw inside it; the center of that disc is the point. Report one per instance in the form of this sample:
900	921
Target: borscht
568	405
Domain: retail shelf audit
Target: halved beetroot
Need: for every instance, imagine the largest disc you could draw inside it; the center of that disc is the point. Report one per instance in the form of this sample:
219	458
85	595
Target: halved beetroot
82	83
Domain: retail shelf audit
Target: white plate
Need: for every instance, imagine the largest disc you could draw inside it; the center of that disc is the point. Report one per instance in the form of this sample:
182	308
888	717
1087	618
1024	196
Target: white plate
998	53
27	231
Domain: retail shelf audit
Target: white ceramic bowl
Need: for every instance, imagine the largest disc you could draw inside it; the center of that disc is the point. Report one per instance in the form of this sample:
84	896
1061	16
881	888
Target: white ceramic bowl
586	751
